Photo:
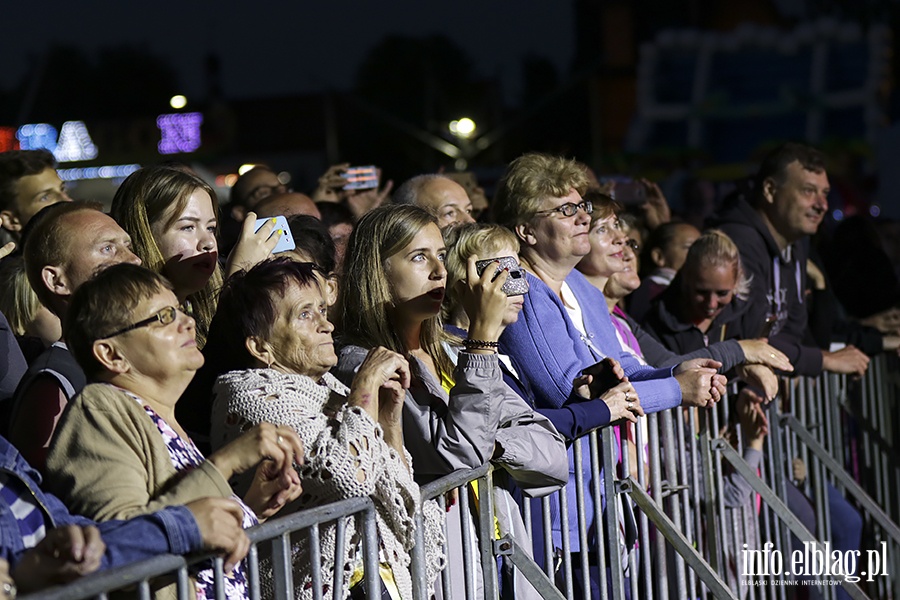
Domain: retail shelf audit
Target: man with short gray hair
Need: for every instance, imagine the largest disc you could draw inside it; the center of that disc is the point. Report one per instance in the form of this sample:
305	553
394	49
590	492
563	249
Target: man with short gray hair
443	198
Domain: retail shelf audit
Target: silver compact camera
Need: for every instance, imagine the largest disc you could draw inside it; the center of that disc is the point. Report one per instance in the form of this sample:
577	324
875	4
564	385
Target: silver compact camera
516	284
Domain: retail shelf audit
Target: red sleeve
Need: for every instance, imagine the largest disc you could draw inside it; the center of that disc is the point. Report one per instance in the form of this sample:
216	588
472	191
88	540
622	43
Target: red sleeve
39	410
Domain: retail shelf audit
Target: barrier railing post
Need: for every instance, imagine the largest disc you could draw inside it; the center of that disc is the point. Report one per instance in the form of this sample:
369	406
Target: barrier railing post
370	550
656	493
467	545
712	499
674	500
612	515
643	521
597	491
486	535
581	516
568	577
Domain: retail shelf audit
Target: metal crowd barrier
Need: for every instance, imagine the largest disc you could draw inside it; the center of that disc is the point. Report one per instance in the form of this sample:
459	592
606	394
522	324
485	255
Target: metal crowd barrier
137	579
687	542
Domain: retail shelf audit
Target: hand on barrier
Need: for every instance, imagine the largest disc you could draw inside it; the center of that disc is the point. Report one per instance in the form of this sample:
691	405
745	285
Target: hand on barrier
623	402
698	363
762	378
696	387
717	388
760	352
219	521
847	361
65	554
701	385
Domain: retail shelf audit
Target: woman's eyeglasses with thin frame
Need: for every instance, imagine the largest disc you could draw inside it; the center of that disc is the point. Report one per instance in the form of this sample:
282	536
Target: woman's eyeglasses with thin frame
165	316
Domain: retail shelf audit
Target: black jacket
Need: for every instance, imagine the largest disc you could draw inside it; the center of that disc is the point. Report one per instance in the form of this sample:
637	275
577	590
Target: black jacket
663	322
776	308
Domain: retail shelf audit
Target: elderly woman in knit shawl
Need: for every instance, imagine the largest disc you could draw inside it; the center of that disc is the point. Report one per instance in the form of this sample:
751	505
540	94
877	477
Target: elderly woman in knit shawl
272	324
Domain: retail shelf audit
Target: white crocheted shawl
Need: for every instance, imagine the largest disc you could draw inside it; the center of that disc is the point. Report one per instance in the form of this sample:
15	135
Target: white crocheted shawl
346	456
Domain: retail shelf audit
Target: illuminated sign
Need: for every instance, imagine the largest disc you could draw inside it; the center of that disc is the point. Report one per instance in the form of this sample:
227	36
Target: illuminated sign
72	143
180	132
108	172
8	139
38	136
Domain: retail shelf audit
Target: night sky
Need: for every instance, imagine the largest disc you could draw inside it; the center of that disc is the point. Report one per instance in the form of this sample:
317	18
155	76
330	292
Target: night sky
275	48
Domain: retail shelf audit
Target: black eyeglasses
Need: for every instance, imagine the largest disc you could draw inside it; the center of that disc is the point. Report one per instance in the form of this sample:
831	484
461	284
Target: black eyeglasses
569	209
264	191
165	316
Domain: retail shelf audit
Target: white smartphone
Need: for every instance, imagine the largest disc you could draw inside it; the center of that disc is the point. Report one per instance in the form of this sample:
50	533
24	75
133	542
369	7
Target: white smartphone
286	242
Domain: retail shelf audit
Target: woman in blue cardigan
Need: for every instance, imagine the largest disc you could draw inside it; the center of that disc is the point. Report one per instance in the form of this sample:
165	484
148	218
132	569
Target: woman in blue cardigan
565	326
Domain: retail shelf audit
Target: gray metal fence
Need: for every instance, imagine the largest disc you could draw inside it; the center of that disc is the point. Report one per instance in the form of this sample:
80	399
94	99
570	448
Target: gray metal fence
705	524
272	539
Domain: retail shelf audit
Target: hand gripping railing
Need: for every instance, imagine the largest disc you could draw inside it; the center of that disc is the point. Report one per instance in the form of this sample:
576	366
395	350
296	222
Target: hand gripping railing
140	576
687	539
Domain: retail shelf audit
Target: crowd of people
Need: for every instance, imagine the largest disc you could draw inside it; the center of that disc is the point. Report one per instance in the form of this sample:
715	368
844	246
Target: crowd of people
169	379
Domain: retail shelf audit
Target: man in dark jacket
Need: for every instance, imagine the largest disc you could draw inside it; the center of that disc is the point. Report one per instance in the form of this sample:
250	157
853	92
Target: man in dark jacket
772	232
772	228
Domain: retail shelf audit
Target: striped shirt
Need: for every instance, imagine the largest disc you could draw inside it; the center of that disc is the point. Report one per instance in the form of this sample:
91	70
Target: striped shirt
25	509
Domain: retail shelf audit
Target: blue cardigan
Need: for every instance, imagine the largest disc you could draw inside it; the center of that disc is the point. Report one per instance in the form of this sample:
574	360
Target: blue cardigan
549	353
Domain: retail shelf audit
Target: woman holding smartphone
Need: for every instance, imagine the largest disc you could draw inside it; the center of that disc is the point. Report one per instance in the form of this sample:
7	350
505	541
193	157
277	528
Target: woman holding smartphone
173	219
391	295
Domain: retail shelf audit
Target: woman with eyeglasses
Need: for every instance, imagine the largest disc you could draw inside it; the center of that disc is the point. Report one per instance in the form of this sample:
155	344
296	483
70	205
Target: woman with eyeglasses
564	327
119	451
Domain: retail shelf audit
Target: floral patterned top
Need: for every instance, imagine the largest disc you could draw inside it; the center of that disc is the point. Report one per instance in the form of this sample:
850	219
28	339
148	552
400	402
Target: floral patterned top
185	456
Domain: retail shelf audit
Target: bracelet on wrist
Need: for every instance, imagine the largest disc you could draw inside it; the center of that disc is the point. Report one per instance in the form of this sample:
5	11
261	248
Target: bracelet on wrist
480	345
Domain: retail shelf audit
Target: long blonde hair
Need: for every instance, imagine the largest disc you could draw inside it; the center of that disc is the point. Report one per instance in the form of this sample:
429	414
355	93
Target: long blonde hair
144	198
18	301
366	296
